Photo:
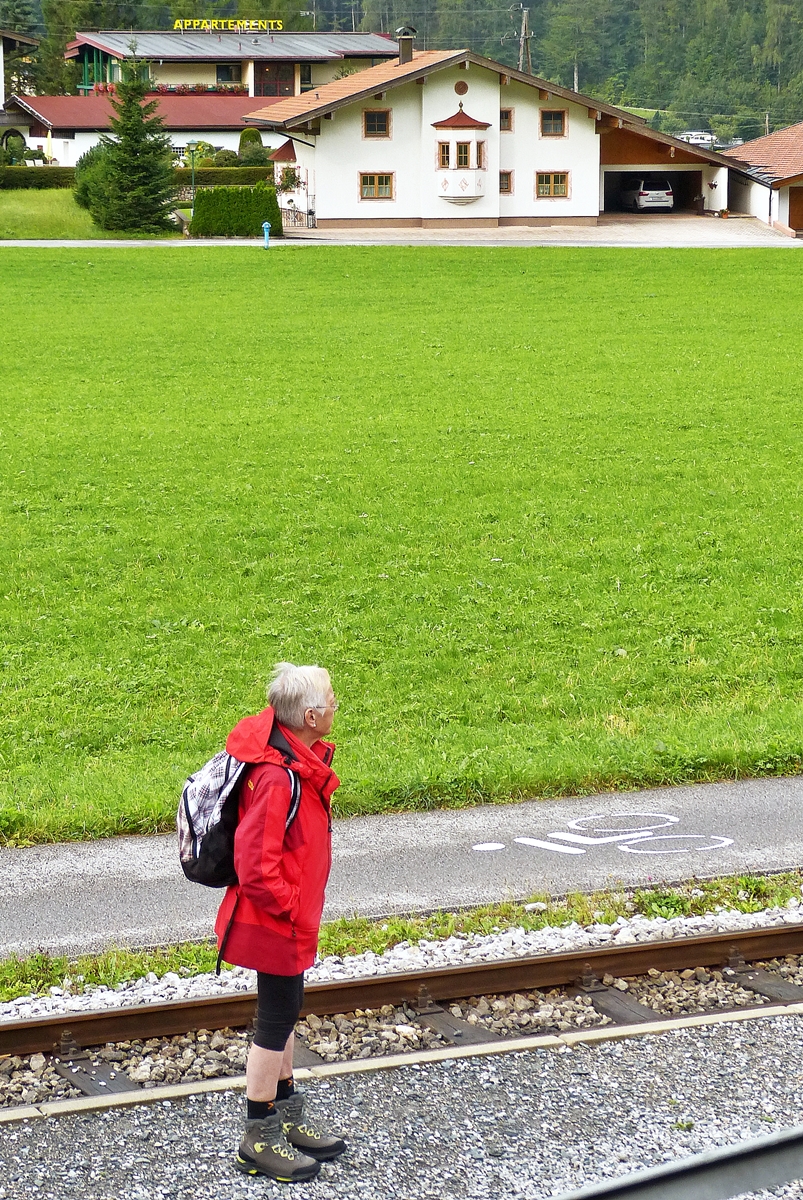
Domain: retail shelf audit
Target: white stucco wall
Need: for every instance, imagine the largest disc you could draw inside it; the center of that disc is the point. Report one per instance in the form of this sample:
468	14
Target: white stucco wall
715	187
67	151
526	151
342	153
184	72
780	206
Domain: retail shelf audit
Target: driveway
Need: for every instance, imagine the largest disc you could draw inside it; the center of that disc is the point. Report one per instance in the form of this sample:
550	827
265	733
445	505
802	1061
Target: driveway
649	230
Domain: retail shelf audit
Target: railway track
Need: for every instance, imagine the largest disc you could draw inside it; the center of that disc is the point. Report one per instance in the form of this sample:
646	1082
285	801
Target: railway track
63	1036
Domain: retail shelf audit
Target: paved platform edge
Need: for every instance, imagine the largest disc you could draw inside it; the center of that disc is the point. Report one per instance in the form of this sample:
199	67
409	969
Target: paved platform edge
234	1083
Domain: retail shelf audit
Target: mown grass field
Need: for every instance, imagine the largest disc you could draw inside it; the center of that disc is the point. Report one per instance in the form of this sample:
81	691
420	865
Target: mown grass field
50	213
538	510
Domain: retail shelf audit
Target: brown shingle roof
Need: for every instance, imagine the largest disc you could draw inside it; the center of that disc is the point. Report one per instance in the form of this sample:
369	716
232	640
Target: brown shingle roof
178	112
296	111
777	155
285	153
309	105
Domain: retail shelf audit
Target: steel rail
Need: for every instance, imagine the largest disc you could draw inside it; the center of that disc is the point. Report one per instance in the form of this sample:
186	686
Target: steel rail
445	983
717	1174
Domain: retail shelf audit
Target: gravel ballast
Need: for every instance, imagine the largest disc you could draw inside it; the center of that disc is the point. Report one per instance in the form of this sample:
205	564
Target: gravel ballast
389	1030
524	1126
458	950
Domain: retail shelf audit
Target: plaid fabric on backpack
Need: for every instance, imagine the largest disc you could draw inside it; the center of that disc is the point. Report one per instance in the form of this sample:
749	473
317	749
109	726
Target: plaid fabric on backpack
207	819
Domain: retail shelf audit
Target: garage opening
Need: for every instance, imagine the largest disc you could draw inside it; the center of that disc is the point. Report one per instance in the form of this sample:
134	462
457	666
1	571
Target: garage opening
686	185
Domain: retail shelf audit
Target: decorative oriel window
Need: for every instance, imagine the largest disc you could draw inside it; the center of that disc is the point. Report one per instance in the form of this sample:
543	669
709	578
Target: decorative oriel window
506	120
553	122
505	183
444	158
376	122
481	160
552	183
376	187
463	154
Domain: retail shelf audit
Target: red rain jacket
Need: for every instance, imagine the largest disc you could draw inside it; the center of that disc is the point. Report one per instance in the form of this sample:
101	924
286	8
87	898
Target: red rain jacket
270	919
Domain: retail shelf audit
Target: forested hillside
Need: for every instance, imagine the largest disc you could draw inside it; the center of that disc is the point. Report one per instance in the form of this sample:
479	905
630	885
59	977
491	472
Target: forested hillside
708	62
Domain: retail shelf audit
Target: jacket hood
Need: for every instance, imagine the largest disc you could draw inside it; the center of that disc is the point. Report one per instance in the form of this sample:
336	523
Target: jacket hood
261	739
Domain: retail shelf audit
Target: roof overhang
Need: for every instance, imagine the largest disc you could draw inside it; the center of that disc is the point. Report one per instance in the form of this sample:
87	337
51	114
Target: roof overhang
314	114
625	121
217	49
604	114
11	39
24	104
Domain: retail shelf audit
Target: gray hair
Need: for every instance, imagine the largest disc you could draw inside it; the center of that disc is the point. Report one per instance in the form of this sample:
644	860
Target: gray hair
292	690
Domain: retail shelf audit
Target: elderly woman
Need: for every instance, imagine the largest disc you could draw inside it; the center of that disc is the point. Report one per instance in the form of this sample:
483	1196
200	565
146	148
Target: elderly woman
270	919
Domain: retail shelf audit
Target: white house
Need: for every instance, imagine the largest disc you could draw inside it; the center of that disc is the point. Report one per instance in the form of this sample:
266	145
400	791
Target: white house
75	123
445	137
773	191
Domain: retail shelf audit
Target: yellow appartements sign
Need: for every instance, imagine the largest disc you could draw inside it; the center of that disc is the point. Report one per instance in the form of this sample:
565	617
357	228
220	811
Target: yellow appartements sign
230	26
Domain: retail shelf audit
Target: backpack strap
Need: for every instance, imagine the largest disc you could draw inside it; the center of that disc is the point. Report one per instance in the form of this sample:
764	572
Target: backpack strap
295	798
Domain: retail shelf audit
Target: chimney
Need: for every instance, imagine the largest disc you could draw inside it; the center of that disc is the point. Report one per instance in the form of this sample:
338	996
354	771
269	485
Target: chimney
404	37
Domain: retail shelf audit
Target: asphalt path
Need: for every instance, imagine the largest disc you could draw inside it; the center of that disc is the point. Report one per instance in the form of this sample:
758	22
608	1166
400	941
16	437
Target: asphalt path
84	896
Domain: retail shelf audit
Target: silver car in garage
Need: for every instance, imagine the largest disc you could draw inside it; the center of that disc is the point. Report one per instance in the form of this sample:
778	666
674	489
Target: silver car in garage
647	192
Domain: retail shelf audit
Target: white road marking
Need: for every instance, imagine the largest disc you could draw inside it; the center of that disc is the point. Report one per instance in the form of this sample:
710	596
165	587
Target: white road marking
489	846
632	846
664	819
602	841
526	841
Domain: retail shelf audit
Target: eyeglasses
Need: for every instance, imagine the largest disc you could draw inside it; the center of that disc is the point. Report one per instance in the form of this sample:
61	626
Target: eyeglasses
323	707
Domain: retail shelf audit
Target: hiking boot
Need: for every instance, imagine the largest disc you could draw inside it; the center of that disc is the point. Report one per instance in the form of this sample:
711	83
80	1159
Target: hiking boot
304	1136
265	1150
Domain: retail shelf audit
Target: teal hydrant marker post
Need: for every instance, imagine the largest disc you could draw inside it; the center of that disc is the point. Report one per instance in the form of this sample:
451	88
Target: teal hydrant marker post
266	231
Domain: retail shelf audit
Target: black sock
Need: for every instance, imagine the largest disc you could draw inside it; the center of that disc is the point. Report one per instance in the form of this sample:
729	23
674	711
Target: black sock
258	1109
285	1088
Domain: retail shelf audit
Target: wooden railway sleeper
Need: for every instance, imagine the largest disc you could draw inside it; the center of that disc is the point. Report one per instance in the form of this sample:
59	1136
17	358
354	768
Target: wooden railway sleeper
93	1079
764	983
610	1002
452	1029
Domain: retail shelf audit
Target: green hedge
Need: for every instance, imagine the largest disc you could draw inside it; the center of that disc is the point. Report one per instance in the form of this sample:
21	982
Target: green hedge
37	177
64	177
230	176
235	212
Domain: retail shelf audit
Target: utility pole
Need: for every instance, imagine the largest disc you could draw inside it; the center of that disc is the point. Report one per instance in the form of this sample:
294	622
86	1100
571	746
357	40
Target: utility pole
524	42
766	123
576	75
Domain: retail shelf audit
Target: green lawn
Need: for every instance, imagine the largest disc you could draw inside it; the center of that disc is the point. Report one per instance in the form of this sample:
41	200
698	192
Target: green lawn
50	213
539	511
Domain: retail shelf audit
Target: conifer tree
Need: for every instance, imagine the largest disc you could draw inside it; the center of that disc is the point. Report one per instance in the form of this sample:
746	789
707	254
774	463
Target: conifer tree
136	187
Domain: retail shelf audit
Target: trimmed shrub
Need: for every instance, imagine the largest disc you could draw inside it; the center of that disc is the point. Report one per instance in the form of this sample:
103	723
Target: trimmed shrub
89	175
37	177
250	136
64	177
235	212
230	176
226	158
254	156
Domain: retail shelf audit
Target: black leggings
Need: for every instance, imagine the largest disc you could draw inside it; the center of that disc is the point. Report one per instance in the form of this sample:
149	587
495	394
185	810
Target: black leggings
278	1007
